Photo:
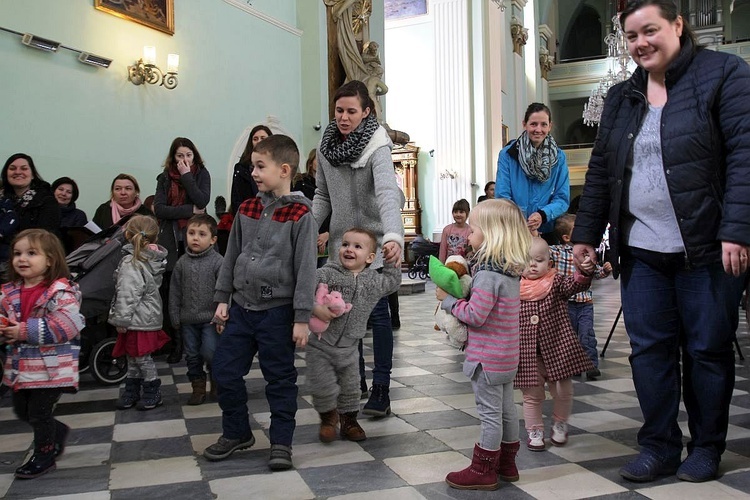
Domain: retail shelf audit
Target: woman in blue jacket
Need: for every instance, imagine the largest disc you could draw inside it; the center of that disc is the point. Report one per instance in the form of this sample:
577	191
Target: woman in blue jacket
669	171
533	173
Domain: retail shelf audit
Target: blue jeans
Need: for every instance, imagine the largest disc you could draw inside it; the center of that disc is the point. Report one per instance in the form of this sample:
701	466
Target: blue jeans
582	319
269	334
199	344
382	344
671	313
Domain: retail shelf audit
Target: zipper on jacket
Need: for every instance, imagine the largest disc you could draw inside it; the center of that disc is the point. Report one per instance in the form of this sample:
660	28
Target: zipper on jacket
346	323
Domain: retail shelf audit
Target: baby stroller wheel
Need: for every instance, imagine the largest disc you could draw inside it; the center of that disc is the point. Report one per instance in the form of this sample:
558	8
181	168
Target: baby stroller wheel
104	367
423	274
412	273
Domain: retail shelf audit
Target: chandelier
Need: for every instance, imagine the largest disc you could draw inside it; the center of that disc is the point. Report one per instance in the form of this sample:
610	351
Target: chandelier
618	59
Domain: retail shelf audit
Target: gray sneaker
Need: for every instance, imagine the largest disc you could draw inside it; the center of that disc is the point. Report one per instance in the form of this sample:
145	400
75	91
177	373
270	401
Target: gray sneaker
225	447
281	457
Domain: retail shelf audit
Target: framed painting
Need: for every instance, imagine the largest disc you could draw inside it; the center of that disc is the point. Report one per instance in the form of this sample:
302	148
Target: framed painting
156	14
398	9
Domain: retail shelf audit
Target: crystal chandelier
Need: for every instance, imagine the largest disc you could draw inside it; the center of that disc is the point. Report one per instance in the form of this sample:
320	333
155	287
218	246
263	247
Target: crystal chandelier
618	59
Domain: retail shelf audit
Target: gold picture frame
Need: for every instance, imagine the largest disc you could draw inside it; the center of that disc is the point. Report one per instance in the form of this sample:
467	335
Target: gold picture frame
156	14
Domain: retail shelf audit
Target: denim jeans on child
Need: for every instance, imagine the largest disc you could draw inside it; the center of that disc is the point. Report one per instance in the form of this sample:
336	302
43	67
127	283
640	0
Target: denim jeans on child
199	343
582	319
269	335
675	314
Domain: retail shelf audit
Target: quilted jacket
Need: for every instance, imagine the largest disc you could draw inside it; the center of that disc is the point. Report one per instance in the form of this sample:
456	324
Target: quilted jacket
47	354
137	303
705	138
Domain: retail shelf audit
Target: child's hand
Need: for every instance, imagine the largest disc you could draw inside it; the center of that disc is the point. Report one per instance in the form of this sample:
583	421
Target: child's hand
392	252
121	329
299	334
11	332
587	266
323	313
221	316
197	210
607	268
440	294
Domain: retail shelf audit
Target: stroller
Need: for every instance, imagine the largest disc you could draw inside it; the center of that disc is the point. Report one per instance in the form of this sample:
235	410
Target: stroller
422	249
92	266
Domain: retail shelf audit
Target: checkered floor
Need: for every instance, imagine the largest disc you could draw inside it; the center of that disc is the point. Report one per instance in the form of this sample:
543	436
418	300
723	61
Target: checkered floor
131	454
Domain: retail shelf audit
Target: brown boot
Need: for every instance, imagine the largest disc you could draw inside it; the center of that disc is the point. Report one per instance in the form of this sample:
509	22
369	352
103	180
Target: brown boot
350	428
328	422
198	397
480	475
506	463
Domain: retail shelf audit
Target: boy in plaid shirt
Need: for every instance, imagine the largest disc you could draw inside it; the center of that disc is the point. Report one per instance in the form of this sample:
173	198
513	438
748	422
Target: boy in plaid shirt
580	305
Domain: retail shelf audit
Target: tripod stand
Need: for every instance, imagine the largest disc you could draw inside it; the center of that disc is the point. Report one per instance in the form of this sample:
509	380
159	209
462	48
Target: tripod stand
617	319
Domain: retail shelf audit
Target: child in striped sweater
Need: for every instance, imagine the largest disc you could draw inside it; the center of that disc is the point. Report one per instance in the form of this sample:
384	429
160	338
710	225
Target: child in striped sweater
501	240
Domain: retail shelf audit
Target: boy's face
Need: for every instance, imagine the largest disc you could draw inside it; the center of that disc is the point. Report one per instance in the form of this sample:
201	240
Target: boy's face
270	176
460	217
199	237
356	251
540	261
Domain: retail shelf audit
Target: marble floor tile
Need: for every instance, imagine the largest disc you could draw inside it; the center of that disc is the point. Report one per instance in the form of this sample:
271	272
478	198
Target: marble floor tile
601	421
202	411
458	438
585	447
321	455
430	468
139	431
16	442
262	486
153	472
88	420
87	455
406	493
565	482
615	385
418	405
681	490
459	401
385	426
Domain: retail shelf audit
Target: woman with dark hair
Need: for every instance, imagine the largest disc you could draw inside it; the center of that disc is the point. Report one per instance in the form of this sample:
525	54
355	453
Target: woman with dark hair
533	172
669	172
183	189
35	205
489	192
243	185
356	186
66	193
124	201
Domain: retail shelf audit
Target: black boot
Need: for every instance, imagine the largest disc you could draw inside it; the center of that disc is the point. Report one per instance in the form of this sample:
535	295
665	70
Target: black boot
379	404
61	436
131	394
151	395
176	355
41	462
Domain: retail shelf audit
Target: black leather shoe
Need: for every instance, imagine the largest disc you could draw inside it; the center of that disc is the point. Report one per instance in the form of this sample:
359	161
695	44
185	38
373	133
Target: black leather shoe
37	465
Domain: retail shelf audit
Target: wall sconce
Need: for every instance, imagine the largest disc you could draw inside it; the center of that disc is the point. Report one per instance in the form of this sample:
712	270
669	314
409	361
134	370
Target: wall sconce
145	71
47	45
37	42
500	4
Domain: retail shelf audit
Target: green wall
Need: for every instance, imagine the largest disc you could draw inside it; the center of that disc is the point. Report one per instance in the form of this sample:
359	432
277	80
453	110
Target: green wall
91	124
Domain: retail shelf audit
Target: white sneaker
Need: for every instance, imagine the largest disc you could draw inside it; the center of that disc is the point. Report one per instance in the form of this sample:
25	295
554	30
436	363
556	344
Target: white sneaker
536	440
559	434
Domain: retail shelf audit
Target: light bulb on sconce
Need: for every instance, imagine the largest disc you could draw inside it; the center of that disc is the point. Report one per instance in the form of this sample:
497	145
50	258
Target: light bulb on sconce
146	71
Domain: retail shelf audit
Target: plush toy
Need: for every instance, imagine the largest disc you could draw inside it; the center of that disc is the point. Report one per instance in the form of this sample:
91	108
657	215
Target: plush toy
453	277
335	303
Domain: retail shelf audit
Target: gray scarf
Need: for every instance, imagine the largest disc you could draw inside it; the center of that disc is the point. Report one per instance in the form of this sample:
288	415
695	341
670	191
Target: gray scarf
339	153
537	163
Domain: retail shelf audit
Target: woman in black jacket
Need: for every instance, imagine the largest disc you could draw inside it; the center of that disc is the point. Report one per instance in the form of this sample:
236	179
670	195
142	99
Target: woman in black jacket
35	205
243	185
669	171
66	193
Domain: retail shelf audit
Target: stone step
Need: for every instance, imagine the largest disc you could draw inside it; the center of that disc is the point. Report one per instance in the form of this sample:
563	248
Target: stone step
410	286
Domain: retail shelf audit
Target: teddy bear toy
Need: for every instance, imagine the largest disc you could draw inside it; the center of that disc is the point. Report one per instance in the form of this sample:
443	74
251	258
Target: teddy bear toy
453	277
335	303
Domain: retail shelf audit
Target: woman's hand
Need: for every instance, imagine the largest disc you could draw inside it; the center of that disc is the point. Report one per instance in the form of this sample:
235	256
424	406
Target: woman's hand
121	329
197	210
300	333
183	167
534	221
440	294
322	242
734	257
392	253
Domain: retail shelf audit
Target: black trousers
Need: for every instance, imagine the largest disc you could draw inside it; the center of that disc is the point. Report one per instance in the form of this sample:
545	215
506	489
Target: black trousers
35	406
